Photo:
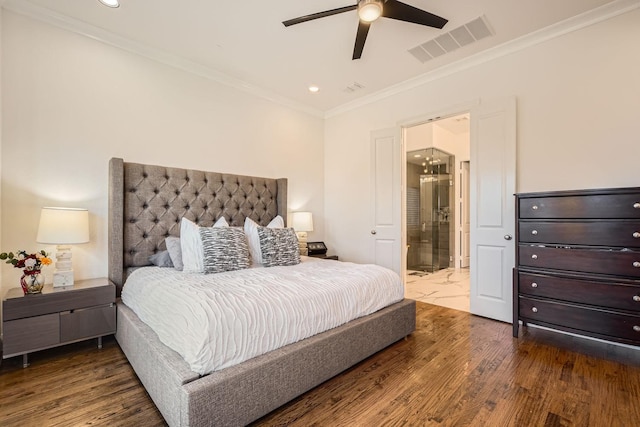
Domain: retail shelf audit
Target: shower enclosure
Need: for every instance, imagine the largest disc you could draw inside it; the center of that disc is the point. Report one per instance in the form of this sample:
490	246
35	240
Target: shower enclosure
430	210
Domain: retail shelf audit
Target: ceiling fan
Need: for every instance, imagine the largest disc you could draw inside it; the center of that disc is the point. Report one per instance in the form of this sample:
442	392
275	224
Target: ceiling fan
369	11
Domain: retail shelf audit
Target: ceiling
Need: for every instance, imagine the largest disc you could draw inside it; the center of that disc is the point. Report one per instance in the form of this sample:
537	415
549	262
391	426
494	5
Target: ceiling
244	42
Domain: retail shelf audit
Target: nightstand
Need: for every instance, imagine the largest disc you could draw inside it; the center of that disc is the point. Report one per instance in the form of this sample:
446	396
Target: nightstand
57	316
325	256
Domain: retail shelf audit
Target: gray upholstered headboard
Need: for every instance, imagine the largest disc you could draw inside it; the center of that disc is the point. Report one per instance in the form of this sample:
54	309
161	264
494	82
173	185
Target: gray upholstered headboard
146	204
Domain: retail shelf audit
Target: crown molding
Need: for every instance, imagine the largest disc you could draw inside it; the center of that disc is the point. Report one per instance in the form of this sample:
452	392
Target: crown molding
594	16
96	33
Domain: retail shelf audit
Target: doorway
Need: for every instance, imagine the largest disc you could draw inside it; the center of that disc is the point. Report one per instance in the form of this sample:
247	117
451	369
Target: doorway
492	178
436	211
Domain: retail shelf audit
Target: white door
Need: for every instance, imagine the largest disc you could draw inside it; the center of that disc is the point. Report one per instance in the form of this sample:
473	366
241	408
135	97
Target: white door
385	233
493	164
465	221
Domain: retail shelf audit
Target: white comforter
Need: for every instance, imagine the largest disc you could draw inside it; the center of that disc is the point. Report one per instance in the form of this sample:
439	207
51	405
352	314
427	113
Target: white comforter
218	320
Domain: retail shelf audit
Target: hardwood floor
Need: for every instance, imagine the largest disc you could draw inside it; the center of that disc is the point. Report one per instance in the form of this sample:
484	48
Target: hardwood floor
455	370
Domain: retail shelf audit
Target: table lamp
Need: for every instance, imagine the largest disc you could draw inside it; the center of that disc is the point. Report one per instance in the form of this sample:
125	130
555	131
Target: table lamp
63	227
301	223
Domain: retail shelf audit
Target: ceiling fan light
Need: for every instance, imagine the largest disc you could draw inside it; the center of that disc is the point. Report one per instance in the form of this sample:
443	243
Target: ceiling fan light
369	10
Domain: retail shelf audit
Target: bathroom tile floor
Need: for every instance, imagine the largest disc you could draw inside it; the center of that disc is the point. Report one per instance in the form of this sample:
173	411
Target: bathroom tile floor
448	287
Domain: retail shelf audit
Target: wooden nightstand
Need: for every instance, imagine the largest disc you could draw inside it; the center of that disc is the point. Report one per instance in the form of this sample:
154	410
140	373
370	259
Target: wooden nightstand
57	316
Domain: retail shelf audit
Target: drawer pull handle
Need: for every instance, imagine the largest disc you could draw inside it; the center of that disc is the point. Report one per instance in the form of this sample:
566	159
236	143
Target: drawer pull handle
636	205
535	207
636	235
636	264
534	256
534	232
534	285
535	310
636	328
636	298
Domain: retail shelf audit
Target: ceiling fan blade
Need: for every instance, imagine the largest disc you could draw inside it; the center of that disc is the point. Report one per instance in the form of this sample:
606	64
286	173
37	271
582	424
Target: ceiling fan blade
361	37
318	15
403	12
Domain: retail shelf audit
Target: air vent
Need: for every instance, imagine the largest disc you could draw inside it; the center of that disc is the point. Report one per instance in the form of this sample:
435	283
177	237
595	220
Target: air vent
354	87
448	42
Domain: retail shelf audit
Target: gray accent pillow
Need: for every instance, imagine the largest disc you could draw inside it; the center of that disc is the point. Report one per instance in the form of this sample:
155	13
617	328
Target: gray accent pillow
279	246
175	251
161	259
225	249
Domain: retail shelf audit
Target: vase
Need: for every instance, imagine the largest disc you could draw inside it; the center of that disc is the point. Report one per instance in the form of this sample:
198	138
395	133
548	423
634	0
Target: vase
32	283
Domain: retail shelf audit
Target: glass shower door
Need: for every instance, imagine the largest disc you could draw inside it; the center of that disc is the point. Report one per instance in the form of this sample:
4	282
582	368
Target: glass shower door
429	217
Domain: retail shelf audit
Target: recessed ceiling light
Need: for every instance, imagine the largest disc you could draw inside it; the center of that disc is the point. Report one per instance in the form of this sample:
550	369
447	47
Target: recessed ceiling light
110	3
314	89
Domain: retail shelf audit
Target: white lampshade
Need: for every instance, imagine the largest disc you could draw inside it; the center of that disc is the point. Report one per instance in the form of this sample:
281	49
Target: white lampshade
63	226
369	10
302	221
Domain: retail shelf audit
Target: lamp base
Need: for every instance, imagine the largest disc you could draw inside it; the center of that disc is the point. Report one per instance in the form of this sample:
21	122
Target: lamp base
63	276
302	242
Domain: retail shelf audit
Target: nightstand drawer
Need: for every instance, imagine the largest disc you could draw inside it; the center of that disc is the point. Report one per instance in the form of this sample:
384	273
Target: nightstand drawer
85	293
87	323
31	334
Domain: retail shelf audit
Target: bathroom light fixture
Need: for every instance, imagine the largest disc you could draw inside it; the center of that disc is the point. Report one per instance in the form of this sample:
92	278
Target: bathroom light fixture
314	89
110	3
369	10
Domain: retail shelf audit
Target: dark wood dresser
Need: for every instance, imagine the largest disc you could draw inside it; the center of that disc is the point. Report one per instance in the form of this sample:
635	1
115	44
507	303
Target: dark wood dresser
578	262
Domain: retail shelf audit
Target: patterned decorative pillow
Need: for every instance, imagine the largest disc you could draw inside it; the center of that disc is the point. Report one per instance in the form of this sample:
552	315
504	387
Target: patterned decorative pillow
279	246
225	249
191	244
251	230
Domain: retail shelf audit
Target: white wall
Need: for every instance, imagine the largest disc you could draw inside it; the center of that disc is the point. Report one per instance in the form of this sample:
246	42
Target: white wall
70	103
578	108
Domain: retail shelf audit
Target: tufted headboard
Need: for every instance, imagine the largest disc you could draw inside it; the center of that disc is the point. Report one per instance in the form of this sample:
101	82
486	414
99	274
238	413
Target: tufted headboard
146	204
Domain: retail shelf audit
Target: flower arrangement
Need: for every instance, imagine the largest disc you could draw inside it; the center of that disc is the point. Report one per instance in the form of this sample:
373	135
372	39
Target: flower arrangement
31	265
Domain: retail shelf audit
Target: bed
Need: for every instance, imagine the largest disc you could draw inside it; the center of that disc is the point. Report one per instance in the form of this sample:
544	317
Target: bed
146	205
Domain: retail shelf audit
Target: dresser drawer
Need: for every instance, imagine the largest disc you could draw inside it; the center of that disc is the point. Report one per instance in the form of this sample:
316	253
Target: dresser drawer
607	294
587	319
596	206
602	233
601	261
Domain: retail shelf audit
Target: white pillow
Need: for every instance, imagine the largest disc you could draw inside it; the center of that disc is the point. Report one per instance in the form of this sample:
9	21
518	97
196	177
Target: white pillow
175	251
191	245
251	230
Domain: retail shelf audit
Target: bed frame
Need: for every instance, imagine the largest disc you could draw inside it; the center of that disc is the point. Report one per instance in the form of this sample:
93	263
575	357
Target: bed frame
146	204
